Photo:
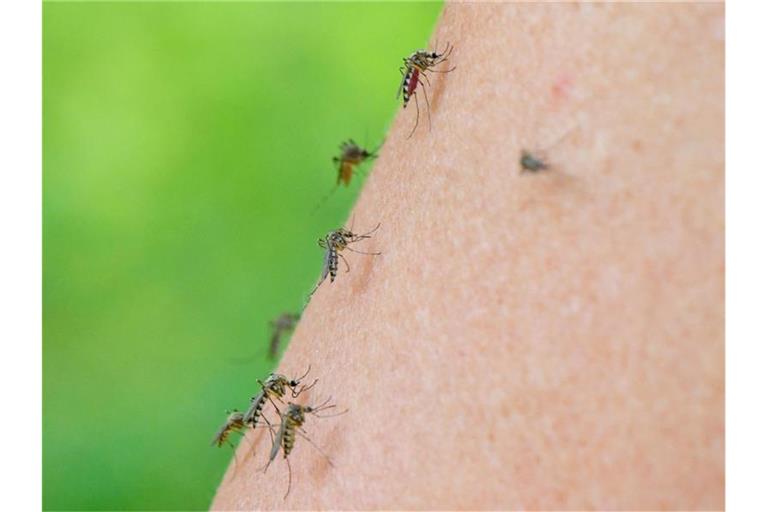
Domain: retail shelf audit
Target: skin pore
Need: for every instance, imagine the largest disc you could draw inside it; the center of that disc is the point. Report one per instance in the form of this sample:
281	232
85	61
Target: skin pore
549	340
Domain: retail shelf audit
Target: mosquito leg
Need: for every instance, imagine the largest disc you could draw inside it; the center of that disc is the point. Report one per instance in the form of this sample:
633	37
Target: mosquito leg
330	462
289	479
234	456
368	234
325	274
415	97
440	70
344	260
426	98
250	443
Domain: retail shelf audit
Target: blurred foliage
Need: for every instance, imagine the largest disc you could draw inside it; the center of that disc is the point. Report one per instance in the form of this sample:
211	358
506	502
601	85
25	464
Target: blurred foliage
185	146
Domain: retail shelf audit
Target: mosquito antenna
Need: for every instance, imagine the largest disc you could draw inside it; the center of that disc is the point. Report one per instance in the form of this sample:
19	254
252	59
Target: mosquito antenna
303	388
368	234
316	447
447	52
309	367
318	407
345	411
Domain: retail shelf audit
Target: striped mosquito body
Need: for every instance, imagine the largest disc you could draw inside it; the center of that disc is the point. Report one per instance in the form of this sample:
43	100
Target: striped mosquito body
291	425
292	419
235	423
410	82
281	325
416	66
334	243
274	388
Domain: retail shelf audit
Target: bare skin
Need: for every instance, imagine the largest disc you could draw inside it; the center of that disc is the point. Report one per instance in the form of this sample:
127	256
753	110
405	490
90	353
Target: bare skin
537	341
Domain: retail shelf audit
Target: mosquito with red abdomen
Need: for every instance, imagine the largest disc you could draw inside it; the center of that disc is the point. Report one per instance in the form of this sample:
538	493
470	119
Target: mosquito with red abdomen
418	64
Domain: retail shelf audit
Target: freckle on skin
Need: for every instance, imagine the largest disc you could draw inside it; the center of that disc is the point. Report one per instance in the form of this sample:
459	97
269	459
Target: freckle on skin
561	89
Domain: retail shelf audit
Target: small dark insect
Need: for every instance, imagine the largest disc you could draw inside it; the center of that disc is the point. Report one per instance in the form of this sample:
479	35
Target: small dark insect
349	159
335	242
351	156
531	163
291	424
281	325
415	66
234	424
273	388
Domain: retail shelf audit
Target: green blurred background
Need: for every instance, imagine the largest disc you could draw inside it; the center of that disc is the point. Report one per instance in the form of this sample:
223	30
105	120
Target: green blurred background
185	146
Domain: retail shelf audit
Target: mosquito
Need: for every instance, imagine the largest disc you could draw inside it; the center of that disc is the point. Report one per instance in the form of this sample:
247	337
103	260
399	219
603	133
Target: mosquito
233	425
291	424
274	387
350	157
335	242
281	325
532	163
418	64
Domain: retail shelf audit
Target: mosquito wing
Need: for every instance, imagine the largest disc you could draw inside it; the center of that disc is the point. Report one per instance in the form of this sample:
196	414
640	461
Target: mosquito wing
278	441
326	264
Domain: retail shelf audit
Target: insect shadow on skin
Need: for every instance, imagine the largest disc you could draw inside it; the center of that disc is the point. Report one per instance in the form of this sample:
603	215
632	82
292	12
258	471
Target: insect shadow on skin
291	425
335	242
416	66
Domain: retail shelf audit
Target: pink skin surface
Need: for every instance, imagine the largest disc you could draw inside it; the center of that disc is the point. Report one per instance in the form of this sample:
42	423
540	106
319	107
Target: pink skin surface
547	340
